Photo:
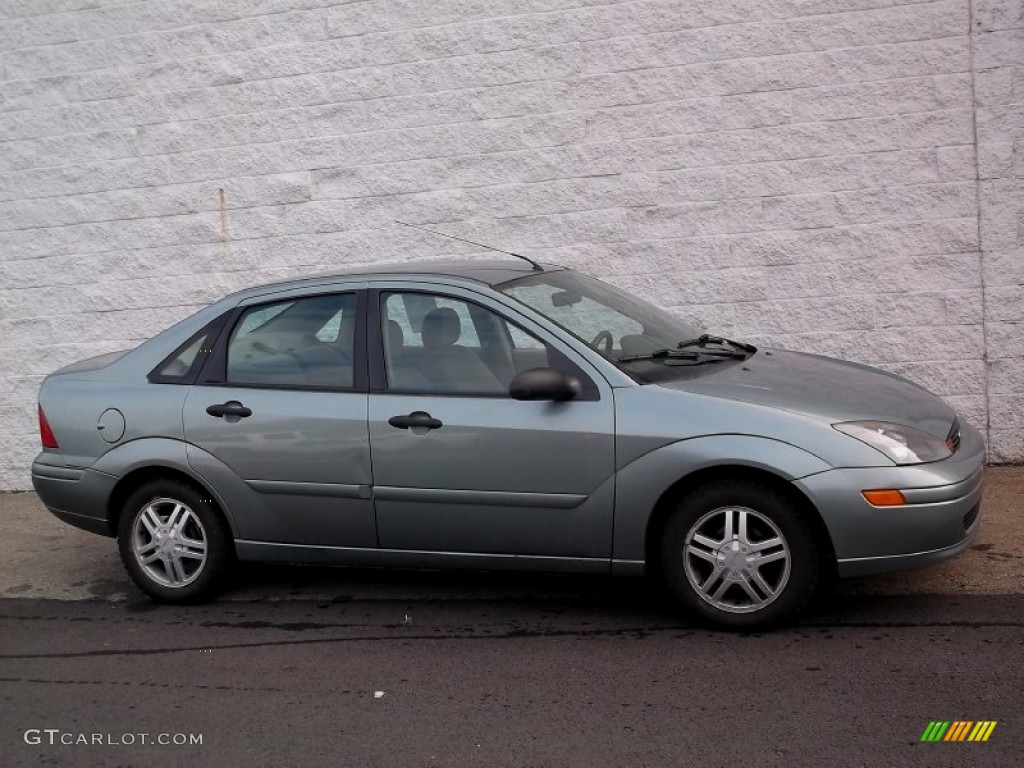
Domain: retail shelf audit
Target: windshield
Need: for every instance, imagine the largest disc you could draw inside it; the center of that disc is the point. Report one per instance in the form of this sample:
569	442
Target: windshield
612	321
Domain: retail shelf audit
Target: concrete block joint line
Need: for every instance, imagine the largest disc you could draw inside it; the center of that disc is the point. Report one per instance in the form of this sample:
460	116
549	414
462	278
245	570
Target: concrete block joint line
830	176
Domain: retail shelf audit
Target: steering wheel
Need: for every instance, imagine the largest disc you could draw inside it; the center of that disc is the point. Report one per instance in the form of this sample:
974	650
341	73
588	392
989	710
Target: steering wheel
606	337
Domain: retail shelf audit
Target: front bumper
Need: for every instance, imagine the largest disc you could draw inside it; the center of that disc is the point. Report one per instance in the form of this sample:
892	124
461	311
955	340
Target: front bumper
77	496
940	518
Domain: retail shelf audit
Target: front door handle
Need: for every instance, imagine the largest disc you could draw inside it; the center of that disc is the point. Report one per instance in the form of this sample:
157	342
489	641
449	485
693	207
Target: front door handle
230	408
415	419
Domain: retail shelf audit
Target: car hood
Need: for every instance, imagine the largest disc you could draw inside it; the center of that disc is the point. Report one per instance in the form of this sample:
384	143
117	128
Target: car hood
823	387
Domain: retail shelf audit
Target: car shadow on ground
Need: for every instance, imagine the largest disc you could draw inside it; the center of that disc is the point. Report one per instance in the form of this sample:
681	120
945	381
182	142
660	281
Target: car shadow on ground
264	581
616	600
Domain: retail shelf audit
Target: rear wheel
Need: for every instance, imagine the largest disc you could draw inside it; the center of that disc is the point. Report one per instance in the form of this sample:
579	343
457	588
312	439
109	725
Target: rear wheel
173	542
740	555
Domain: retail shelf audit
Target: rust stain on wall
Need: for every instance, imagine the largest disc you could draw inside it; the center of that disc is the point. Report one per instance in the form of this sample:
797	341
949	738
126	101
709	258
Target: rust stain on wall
225	235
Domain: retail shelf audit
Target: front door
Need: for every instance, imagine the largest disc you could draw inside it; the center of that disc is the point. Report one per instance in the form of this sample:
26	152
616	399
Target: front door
458	465
286	413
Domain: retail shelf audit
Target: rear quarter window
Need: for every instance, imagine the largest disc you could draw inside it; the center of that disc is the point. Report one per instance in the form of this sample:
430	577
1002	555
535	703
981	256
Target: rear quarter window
182	365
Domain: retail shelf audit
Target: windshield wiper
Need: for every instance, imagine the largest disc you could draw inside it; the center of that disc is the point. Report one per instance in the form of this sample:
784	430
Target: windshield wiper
704	355
680	355
658	354
705	338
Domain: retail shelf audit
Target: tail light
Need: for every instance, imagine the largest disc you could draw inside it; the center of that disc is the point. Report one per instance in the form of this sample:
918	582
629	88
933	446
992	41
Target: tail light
45	433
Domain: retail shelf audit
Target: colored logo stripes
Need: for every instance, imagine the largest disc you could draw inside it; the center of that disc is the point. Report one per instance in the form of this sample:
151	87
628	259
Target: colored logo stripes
958	730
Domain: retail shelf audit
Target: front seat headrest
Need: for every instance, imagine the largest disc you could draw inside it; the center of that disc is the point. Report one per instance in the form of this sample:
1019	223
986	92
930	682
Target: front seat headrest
441	328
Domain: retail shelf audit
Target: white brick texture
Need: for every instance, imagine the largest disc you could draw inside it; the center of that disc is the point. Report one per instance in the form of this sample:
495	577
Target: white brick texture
835	176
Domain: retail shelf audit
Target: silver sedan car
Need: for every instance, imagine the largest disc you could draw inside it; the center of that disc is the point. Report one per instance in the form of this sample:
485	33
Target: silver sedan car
494	414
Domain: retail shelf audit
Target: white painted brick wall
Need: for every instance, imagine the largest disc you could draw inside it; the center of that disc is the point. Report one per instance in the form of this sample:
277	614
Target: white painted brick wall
837	176
998	35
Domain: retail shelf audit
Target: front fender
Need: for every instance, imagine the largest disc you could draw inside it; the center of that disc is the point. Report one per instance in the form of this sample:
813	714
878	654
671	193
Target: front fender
641	484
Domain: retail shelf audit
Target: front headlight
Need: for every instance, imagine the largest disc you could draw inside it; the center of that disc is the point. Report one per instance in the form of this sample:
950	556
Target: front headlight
902	444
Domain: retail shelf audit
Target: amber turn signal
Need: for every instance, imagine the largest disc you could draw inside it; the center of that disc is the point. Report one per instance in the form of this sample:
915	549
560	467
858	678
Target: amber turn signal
885	498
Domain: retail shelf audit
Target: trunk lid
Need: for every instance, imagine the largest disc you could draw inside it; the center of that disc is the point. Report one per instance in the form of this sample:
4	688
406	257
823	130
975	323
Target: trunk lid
91	363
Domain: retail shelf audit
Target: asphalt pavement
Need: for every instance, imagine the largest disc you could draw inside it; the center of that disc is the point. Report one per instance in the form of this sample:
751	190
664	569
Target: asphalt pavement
336	667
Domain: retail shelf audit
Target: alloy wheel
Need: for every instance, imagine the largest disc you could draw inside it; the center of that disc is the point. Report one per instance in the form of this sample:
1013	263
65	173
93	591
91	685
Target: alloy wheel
169	542
736	559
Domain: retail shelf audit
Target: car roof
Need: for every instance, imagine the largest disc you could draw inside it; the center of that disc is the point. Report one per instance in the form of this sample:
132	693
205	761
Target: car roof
488	272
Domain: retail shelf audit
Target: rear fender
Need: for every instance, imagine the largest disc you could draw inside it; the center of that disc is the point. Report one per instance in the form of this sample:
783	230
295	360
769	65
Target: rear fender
155	452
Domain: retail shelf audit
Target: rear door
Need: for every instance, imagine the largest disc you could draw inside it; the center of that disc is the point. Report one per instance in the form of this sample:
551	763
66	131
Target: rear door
282	404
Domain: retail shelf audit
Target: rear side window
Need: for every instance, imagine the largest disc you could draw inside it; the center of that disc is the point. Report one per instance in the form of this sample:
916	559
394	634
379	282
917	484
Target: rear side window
258	317
307	342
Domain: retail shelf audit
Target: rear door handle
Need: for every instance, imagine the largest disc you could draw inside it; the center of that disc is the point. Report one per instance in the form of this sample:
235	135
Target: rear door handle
230	408
415	419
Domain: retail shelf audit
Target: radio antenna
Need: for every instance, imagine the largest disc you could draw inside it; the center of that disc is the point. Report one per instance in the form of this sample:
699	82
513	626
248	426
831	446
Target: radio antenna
536	267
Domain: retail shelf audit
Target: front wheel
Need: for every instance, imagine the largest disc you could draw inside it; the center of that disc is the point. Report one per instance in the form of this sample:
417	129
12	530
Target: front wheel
739	555
173	542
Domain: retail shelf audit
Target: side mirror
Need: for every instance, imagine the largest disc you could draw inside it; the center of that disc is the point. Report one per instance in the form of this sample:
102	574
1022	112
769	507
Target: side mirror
544	384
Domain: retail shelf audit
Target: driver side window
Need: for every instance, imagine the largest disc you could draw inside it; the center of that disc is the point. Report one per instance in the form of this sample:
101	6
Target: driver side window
442	344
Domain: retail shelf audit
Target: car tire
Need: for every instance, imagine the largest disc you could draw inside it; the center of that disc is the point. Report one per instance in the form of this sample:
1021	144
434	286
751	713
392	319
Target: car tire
174	542
740	555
